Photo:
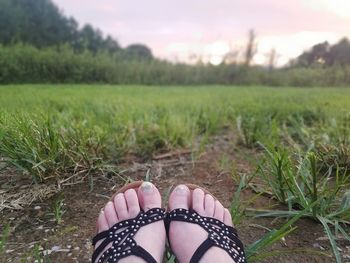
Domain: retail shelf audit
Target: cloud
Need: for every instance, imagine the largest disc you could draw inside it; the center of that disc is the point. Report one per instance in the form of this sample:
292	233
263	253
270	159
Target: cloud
196	24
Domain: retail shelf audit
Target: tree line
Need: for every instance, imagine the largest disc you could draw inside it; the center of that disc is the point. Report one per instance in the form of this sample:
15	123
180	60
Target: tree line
39	44
41	24
324	54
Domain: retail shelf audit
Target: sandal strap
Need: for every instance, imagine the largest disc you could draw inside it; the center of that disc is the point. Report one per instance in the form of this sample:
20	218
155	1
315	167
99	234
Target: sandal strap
121	237
219	234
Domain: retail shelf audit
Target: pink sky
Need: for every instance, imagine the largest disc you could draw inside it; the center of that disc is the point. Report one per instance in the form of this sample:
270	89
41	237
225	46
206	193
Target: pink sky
176	29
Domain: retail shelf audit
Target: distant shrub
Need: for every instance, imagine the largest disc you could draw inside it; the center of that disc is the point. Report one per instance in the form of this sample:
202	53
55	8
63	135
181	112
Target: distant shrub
26	64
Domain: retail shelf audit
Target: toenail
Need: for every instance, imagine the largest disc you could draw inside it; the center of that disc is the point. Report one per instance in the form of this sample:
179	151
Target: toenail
181	189
147	187
118	196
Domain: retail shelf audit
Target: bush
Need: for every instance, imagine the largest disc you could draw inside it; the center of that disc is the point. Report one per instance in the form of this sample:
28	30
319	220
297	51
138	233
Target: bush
27	64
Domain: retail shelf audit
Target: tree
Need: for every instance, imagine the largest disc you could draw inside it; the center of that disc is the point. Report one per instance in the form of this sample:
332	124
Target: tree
340	53
138	51
251	48
40	23
319	54
90	39
326	54
272	59
111	45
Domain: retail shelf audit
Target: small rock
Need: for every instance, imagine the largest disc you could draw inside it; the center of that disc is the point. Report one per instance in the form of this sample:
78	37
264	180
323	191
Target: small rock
40	227
88	245
69	254
69	246
37	207
8	251
317	245
55	248
47	252
77	248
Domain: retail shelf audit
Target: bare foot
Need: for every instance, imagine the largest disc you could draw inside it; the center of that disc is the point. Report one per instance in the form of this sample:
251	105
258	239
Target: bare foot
184	237
127	206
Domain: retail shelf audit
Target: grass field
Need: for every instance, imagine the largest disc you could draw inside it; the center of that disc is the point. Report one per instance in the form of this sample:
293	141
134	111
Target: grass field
64	125
300	137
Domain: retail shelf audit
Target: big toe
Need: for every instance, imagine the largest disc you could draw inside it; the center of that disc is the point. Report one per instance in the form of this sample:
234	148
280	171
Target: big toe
149	196
180	197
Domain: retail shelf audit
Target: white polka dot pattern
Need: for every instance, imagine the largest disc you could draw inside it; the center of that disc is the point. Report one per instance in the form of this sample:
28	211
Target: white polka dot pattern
121	237
219	234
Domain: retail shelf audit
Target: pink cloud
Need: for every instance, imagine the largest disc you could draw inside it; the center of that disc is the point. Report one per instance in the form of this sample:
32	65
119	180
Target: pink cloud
160	23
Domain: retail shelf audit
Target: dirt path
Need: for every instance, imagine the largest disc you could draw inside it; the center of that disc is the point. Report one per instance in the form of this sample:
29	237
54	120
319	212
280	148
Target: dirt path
70	241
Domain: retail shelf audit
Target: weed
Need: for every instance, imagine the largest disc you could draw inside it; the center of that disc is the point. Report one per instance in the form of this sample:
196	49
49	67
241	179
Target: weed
5	232
301	185
58	209
256	251
224	162
38	255
254	127
238	207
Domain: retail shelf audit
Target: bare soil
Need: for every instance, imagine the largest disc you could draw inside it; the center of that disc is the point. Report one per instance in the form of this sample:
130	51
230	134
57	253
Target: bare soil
70	241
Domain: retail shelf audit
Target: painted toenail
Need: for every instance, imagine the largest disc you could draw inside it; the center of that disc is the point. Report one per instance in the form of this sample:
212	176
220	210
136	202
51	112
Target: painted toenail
147	187
181	189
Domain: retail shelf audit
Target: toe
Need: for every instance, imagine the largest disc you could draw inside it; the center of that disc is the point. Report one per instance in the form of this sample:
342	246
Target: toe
227	218
132	203
110	214
120	207
209	205
180	197
198	201
219	211
102	223
149	196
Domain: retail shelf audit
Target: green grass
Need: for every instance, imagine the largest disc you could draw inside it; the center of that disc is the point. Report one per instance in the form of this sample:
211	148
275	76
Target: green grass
49	132
58	209
299	182
4	235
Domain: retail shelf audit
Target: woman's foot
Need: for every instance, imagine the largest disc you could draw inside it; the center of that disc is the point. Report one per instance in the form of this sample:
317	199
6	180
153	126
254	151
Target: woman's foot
127	206
184	237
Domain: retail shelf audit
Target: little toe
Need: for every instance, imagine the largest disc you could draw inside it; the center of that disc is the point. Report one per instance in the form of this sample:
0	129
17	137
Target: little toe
209	205
198	201
120	207
179	197
110	214
149	196
227	218
132	203
219	211
102	224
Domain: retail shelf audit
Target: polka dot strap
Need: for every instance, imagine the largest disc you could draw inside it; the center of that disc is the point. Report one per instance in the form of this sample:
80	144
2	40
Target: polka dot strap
219	234
121	238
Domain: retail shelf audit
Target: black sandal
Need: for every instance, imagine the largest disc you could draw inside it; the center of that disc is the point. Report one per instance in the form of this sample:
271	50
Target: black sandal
121	237
219	234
